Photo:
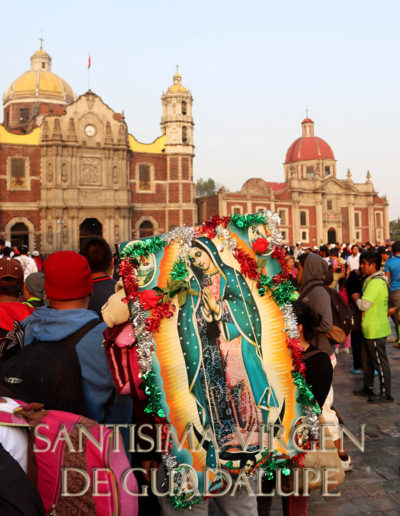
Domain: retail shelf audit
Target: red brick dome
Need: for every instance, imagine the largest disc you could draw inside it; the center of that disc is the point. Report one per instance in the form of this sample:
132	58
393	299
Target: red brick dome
308	147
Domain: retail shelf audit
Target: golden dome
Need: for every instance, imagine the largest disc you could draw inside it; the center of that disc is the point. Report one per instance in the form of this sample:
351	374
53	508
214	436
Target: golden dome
177	86
40	83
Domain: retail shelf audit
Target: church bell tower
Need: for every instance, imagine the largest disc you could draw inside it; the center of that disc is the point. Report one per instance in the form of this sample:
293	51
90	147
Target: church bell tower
177	126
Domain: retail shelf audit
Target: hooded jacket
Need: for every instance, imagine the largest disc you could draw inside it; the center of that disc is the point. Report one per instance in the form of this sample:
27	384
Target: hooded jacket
50	325
316	272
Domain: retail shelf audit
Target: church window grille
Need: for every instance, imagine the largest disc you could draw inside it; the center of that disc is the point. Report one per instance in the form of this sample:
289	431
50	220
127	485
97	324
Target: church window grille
184	134
357	219
303	218
237	210
310	172
144	178
23	115
304	236
358	236
283	216
379	236
18	174
184	107
327	170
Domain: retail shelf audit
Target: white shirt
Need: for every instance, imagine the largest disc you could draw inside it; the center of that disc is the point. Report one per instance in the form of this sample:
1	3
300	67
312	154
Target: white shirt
28	264
353	262
14	439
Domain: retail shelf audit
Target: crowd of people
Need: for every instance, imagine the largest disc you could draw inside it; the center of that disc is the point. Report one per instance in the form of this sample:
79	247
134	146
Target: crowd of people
61	298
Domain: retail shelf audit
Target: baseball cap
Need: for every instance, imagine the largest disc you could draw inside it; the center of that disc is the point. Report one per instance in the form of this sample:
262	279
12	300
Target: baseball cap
67	276
11	272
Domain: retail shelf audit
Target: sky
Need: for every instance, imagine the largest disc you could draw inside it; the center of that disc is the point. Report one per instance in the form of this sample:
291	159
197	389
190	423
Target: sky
252	67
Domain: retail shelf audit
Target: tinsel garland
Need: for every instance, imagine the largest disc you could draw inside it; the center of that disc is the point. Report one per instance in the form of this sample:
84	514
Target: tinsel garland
279	287
245	221
179	270
144	247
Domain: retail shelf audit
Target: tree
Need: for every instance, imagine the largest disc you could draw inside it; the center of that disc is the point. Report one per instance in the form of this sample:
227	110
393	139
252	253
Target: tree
394	226
205	188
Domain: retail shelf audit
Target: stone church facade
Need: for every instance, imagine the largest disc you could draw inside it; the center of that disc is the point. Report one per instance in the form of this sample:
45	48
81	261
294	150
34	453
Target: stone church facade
69	167
315	206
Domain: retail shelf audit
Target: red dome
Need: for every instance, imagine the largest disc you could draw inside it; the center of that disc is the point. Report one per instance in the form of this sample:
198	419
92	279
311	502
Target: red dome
307	148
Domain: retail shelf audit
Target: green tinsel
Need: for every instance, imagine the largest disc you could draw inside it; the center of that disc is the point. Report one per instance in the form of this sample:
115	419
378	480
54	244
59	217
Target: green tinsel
179	270
181	501
245	221
154	395
144	247
273	464
306	396
282	292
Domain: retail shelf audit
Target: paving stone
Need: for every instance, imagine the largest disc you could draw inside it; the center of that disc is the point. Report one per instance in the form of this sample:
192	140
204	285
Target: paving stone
389	473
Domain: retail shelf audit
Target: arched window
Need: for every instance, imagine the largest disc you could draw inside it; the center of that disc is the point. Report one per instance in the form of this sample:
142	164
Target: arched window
184	107
184	134
327	170
146	229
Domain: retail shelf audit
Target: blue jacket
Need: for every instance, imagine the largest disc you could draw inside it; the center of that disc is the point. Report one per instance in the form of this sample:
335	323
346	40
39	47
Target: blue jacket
48	324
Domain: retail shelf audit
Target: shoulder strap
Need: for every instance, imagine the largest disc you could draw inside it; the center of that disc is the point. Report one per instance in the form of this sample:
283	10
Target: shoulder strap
309	289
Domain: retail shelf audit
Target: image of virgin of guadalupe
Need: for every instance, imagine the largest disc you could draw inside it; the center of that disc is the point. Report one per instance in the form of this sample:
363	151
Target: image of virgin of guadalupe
220	336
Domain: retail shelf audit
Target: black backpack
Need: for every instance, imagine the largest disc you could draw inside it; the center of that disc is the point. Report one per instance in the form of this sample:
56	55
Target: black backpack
342	316
48	373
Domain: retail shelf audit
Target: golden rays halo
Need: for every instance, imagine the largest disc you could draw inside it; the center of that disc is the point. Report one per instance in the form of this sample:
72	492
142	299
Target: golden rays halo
181	407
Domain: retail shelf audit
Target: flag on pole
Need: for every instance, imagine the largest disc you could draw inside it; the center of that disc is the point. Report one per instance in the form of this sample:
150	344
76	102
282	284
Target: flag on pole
89	62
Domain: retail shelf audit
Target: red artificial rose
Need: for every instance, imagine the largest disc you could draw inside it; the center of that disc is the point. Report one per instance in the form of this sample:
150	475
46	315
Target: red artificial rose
260	246
149	299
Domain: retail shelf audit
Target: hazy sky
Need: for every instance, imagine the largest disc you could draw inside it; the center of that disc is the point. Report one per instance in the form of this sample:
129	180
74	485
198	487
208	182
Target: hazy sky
252	67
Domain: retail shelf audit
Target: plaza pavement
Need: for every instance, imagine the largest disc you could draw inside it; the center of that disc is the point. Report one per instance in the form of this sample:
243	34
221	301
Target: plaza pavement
373	487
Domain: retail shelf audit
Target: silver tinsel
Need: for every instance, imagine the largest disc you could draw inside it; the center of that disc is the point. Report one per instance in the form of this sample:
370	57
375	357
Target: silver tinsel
273	221
226	240
183	236
290	321
145	340
312	422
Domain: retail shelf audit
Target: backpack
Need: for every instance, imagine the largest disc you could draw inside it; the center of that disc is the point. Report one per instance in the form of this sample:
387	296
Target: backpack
18	495
342	316
48	373
79	459
123	359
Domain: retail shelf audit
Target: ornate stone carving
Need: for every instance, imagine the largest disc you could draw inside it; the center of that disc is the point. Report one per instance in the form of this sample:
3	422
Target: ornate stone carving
57	130
90	171
49	234
115	174
64	173
90	101
50	174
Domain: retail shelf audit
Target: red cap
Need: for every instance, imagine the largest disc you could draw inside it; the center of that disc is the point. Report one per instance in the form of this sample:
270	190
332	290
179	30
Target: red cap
67	276
11	272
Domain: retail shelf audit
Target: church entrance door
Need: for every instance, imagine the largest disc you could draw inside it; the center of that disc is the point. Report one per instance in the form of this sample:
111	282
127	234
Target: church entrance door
88	228
19	234
331	235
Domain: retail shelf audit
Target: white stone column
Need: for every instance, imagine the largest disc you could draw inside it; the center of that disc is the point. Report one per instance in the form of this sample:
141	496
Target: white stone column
352	227
371	223
319	214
